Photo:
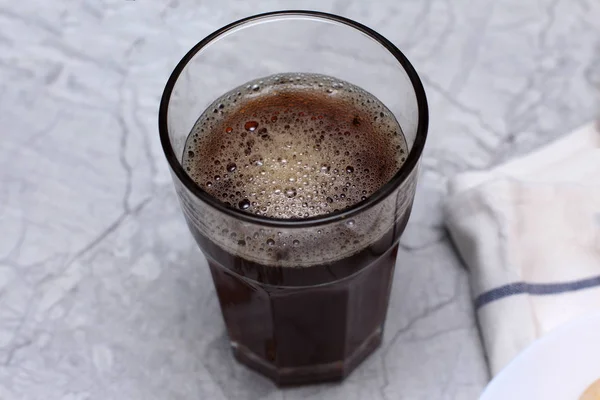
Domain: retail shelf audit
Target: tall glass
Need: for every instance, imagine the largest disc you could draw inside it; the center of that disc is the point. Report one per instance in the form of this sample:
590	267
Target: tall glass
301	301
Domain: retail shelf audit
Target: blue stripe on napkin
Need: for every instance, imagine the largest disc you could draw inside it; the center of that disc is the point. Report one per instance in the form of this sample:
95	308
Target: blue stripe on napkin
534	289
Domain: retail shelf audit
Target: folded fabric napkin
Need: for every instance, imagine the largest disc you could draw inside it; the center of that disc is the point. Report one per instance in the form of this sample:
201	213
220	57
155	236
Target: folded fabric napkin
529	233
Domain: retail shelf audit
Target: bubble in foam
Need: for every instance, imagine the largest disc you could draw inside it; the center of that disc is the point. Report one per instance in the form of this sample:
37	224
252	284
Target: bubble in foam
251	126
244	204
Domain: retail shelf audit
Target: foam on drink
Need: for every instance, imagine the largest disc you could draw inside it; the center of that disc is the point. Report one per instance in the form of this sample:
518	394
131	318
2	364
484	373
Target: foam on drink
294	146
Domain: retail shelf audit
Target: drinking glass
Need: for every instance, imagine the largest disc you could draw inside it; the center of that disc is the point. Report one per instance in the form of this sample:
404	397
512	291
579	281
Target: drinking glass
304	300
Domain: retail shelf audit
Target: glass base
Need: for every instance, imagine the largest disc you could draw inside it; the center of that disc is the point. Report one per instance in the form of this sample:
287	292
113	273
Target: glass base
335	371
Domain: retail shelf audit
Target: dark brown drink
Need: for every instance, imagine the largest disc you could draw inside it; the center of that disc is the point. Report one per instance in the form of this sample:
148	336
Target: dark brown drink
308	305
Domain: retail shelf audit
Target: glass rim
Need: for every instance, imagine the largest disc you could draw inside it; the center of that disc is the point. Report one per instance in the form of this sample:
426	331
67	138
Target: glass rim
379	195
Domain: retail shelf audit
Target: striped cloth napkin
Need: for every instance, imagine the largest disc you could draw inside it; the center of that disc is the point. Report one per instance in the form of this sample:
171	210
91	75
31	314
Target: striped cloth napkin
529	233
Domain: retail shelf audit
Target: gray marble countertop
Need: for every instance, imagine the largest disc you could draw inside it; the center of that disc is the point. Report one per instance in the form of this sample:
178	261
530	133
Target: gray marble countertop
101	292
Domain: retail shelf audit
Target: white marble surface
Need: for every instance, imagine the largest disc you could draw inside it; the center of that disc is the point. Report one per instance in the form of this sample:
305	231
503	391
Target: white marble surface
103	294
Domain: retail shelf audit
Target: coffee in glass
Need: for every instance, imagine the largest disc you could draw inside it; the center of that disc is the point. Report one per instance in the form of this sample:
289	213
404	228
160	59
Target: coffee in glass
297	186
